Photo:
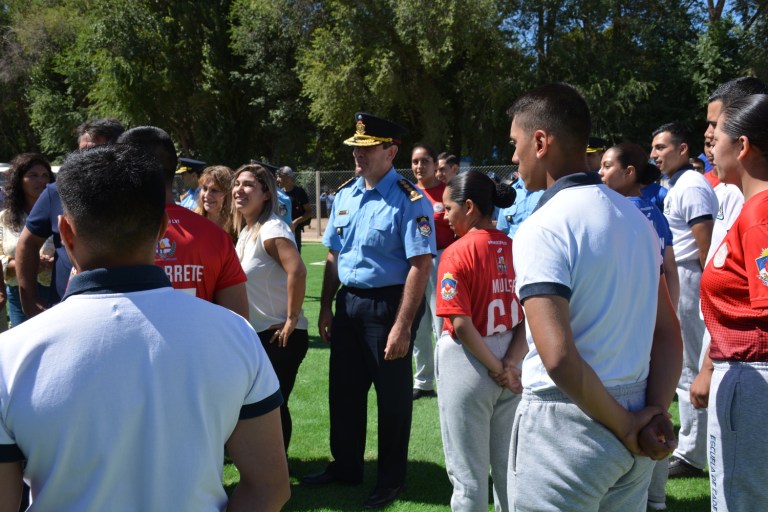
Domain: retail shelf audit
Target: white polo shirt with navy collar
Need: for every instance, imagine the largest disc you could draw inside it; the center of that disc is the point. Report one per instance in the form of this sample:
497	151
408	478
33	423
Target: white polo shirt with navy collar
122	396
592	246
690	200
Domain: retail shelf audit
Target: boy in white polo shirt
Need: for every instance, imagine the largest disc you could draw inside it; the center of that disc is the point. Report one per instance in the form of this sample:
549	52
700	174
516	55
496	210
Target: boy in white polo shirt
690	207
123	396
604	342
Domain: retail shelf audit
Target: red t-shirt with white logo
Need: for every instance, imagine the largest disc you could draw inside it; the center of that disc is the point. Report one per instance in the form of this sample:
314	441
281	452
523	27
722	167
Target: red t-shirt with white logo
197	255
476	279
443	233
734	288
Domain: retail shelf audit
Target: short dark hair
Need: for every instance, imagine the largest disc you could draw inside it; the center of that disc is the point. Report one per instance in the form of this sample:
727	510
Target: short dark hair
107	127
558	108
748	117
15	200
738	88
482	190
156	142
678	131
628	153
449	158
115	195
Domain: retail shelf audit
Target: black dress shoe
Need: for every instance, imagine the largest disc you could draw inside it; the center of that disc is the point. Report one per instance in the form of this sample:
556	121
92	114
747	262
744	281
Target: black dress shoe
383	497
421	393
678	468
324	478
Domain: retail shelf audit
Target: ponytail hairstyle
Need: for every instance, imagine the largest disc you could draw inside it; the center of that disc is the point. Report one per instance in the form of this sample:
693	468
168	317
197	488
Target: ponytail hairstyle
748	117
628	153
481	190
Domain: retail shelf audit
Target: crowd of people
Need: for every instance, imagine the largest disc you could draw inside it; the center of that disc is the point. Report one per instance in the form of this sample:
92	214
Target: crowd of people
553	316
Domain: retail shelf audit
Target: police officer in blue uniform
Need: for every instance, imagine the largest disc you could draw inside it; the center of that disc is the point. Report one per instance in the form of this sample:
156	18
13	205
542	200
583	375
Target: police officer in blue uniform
381	243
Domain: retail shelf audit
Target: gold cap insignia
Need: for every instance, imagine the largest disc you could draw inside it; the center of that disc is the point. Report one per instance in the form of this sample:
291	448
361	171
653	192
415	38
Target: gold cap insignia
360	128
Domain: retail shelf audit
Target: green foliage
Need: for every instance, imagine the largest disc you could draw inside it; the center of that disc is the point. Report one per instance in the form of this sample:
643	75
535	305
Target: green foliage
753	17
442	68
719	55
54	118
267	35
169	64
630	59
15	134
280	79
43	39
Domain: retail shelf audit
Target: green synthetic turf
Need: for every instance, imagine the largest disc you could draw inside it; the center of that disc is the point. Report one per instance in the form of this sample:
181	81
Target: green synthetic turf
428	485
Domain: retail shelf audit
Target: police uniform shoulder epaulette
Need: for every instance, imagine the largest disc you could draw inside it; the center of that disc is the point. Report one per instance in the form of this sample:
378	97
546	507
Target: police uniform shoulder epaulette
350	180
411	192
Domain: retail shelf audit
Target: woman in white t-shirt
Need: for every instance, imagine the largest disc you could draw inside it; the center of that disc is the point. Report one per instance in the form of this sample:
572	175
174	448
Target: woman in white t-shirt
28	176
276	278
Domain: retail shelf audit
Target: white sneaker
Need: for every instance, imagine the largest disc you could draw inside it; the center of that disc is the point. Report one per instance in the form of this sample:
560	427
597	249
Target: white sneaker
657	505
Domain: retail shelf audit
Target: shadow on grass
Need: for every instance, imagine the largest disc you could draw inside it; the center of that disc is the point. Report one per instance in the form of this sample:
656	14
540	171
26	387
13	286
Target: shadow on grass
317	342
427	484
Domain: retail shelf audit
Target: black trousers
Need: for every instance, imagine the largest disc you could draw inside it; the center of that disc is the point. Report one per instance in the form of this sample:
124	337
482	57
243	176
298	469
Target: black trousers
286	361
359	333
297	237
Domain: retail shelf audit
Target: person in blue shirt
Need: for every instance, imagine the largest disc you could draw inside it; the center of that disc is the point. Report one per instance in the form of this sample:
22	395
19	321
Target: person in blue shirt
380	237
626	169
525	201
190	171
655	193
43	222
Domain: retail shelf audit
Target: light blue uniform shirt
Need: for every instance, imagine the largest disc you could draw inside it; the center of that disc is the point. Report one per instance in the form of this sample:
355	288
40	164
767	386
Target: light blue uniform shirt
510	218
284	205
375	232
190	200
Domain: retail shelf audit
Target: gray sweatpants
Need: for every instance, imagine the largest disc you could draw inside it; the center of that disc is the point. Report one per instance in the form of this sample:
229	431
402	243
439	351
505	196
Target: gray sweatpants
430	328
476	418
692	438
562	460
738	415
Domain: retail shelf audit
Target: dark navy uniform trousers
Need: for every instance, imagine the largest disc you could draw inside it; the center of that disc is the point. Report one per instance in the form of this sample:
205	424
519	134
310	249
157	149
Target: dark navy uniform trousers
361	324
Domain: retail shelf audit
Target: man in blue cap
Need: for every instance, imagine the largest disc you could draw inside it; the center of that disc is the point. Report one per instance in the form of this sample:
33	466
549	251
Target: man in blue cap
381	243
190	170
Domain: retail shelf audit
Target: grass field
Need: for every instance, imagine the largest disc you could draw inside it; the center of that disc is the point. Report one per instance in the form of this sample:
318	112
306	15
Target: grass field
428	485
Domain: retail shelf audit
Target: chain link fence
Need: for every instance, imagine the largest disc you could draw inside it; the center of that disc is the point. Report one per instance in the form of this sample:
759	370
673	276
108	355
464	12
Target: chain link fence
319	184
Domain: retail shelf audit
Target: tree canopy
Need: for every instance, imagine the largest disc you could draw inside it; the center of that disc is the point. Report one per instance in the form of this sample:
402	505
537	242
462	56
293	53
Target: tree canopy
280	80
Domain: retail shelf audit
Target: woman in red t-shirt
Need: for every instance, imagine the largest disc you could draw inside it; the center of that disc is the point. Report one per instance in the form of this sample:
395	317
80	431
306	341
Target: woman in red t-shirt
734	300
424	165
482	345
